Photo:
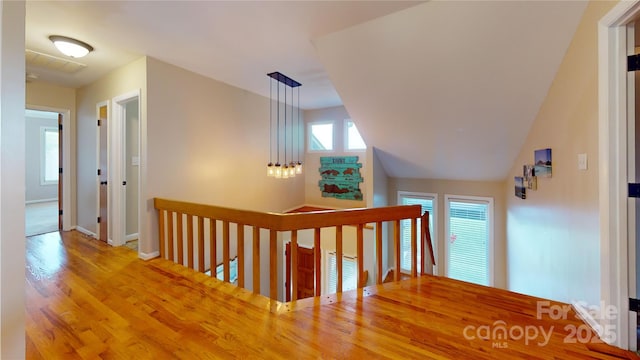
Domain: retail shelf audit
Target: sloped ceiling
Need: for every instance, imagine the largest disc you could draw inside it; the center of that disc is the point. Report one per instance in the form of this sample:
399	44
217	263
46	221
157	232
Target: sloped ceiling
236	42
449	90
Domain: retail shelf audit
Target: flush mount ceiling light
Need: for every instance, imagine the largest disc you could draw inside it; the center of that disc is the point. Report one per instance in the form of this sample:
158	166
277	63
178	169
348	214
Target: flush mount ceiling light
71	47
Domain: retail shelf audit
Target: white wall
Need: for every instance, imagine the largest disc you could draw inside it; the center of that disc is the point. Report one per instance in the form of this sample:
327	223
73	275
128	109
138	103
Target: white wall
313	195
41	95
35	190
122	80
12	184
553	244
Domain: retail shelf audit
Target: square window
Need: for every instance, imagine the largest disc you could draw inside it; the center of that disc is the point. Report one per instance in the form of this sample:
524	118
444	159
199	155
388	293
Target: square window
321	136
49	156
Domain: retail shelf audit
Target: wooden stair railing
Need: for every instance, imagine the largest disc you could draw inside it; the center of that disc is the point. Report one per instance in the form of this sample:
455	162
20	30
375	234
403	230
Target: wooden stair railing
172	215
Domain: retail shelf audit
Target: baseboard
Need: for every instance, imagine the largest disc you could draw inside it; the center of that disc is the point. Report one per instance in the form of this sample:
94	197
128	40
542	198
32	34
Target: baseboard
40	201
131	237
148	256
84	231
583	313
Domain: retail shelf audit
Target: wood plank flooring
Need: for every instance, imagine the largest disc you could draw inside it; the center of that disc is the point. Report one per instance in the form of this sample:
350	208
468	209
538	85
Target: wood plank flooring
86	300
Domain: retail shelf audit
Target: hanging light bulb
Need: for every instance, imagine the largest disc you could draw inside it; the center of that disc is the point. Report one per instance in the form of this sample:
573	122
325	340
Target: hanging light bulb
292	169
299	168
278	171
285	172
271	171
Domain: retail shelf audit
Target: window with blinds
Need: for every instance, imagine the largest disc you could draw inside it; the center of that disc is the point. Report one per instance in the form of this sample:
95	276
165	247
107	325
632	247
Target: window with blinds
426	201
468	239
349	273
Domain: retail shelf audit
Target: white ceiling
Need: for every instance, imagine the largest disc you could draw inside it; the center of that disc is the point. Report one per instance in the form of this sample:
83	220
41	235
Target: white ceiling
237	42
444	89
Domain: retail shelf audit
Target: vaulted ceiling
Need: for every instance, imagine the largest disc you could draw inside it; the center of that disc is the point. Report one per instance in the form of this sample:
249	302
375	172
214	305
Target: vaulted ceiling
442	89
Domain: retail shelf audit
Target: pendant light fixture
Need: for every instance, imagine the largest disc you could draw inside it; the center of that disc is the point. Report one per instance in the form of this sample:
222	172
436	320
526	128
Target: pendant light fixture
285	125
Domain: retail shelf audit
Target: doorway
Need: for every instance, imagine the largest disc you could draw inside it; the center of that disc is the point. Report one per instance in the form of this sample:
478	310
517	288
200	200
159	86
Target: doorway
58	211
43	178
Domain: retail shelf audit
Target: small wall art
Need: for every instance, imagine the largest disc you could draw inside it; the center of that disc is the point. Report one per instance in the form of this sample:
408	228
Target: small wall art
340	177
529	175
542	163
521	191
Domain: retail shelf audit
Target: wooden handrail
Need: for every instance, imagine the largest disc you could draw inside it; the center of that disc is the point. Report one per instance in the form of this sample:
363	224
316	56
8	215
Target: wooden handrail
173	247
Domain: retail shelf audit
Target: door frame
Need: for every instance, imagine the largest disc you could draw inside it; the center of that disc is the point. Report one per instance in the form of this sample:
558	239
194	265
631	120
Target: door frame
66	161
613	172
98	225
117	131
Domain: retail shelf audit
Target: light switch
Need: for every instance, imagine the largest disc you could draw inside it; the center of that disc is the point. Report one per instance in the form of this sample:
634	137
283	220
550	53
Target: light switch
582	161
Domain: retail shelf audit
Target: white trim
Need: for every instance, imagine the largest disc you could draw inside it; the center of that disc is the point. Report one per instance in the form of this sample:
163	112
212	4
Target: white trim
584	314
28	202
66	161
612	139
117	130
491	246
131	237
148	256
85	231
433	197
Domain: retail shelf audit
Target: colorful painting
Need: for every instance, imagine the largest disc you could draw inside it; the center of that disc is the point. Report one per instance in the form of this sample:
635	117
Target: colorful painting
521	191
340	177
543	163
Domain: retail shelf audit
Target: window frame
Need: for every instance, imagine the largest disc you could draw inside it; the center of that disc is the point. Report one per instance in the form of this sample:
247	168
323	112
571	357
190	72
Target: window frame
310	135
433	217
491	221
43	155
345	130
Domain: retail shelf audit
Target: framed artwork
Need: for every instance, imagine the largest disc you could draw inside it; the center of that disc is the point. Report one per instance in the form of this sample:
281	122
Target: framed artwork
521	191
529	175
542	163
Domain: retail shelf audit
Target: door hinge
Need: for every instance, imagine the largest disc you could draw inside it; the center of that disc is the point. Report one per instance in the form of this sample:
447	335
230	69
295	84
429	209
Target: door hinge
633	62
98	122
98	219
60	212
59	170
99	172
60	127
634	305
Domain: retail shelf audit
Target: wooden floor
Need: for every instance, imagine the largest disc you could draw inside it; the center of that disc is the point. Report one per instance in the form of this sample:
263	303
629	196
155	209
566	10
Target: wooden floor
88	300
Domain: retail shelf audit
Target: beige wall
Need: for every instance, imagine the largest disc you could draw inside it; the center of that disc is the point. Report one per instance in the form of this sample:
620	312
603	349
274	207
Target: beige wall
12	250
45	96
208	142
313	195
553	244
491	189
123	80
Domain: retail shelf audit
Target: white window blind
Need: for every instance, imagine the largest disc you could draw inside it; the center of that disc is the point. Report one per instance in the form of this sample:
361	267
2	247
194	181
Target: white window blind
349	273
405	230
468	241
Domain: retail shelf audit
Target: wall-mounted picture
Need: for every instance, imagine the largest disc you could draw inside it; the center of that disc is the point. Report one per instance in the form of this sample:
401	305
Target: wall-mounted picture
529	174
521	191
543	163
